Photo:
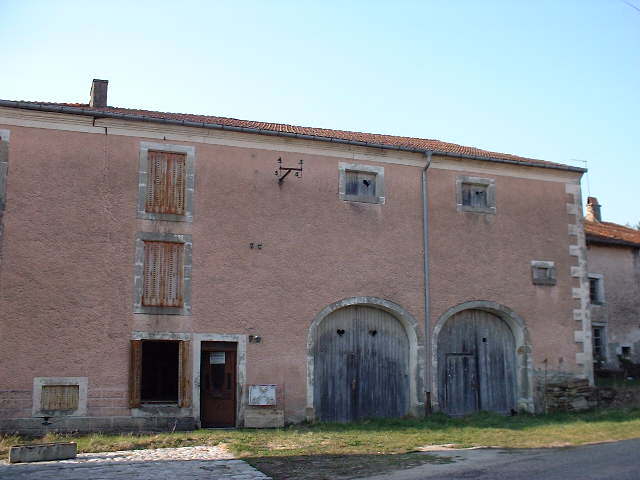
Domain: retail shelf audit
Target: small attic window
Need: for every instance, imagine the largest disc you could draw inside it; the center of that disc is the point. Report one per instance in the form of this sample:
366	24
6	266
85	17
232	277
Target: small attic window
543	273
361	183
475	194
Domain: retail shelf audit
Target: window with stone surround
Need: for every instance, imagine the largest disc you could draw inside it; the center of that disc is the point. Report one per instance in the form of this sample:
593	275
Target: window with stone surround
475	194
361	183
543	272
596	289
599	343
160	372
59	396
163	274
166	181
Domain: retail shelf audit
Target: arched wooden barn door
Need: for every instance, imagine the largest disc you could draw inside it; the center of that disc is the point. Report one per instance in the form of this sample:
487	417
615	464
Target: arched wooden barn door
476	364
361	365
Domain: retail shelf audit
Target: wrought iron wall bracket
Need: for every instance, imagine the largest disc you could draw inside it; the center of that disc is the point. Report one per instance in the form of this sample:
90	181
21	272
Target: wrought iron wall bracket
282	172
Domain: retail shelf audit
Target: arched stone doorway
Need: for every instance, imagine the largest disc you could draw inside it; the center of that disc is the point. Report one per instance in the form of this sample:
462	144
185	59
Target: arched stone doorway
363	361
481	360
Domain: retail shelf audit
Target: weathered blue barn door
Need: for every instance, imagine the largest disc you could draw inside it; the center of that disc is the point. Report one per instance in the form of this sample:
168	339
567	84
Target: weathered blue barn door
361	366
476	364
461	392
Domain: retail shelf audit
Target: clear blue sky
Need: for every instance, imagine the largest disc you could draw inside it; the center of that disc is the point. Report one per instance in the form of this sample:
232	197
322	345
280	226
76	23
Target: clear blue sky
551	79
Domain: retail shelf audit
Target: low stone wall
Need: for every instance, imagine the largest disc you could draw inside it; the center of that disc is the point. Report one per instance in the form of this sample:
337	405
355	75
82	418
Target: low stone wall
576	394
569	396
618	396
34	426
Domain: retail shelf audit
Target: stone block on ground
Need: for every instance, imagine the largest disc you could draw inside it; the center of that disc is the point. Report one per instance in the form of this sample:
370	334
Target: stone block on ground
263	418
42	452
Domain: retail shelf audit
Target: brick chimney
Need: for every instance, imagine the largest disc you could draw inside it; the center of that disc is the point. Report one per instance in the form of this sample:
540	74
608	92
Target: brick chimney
593	210
98	95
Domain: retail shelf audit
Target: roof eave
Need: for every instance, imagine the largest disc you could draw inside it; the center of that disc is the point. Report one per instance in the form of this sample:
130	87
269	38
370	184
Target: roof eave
602	240
260	131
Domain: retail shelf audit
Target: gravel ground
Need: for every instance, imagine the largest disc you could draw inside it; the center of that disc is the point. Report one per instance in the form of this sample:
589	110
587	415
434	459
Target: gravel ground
184	463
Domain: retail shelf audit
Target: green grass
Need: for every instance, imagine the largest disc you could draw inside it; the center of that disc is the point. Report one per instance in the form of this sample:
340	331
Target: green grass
617	382
375	437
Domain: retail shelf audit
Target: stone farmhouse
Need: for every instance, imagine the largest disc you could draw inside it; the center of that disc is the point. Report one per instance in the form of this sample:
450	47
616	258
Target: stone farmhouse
164	271
613	254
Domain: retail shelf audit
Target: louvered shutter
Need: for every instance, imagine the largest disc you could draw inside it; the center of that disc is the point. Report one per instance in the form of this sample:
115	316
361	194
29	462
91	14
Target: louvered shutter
165	183
184	385
135	373
163	274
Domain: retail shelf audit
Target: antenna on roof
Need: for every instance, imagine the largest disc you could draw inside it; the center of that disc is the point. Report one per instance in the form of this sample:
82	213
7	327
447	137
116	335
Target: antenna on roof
586	175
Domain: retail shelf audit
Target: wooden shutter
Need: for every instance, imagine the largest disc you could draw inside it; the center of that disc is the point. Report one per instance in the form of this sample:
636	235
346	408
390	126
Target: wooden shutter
184	385
474	195
360	183
135	373
165	182
163	274
59	397
466	194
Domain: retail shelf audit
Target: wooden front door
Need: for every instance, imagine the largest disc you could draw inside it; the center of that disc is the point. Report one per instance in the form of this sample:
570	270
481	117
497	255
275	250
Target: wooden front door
476	364
361	366
218	384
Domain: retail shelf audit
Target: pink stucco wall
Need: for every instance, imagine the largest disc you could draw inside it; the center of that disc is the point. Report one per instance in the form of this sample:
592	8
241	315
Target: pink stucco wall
67	259
620	312
488	257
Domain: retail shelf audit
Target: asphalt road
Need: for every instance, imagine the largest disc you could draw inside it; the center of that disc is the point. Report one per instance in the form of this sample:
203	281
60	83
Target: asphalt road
605	461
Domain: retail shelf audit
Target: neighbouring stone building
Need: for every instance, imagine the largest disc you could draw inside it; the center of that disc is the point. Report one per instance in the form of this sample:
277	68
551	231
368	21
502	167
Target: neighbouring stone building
165	270
613	254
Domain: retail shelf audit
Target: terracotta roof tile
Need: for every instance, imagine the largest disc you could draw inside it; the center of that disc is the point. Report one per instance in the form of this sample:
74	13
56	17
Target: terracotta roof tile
371	138
611	233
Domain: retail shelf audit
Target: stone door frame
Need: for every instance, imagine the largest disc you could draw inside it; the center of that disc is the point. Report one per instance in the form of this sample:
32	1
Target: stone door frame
416	348
524	361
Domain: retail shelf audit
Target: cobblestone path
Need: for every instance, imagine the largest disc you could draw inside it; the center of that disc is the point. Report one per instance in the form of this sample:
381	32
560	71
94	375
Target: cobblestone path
184	463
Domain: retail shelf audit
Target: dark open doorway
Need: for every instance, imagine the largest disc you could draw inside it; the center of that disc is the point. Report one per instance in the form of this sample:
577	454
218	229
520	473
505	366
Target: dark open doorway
160	370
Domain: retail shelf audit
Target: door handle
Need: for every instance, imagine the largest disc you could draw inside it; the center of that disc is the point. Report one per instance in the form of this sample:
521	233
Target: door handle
228	381
353	385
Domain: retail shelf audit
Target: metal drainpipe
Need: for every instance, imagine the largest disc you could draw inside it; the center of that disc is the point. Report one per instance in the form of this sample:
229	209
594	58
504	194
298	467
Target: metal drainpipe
427	310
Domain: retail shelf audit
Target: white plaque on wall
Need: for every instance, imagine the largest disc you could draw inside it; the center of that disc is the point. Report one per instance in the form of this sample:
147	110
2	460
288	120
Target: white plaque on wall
217	358
262	394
